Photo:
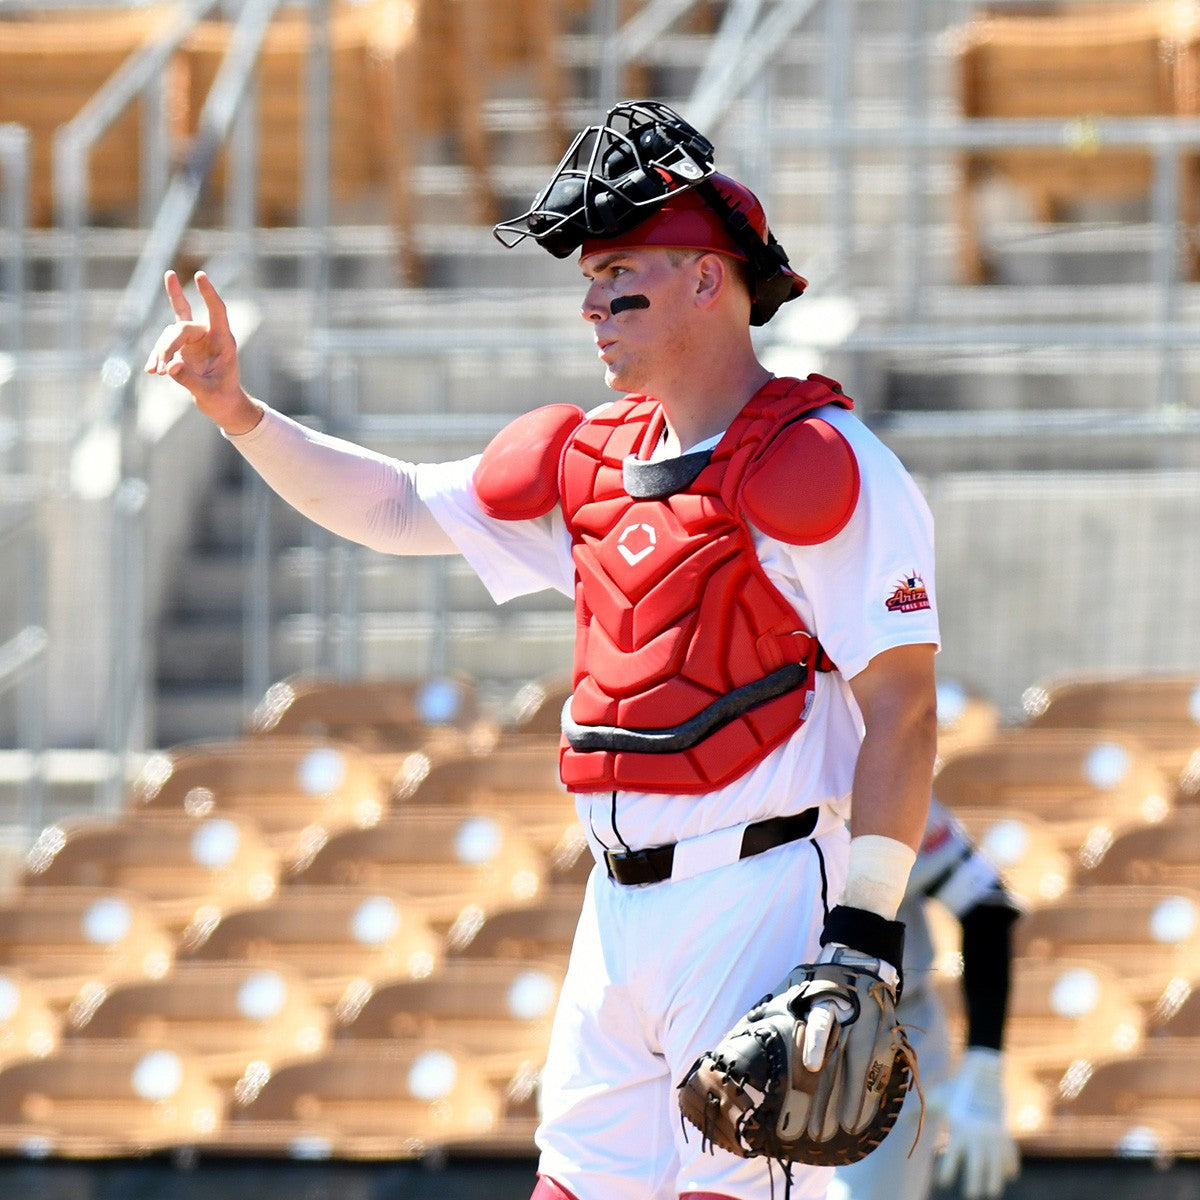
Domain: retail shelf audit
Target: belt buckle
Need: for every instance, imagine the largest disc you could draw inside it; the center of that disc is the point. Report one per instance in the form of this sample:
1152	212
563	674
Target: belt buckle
644	858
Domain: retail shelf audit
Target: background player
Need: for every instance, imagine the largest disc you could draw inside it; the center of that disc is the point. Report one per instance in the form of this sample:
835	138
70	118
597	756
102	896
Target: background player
966	1102
732	540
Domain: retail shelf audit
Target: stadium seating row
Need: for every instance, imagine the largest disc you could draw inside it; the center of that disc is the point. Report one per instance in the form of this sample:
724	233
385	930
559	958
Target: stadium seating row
376	874
401	70
1083	64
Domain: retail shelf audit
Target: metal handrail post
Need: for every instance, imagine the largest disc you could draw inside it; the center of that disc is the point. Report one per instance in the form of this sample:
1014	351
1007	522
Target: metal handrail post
154	161
315	210
614	56
14	219
838	99
15	157
33	704
241	198
317	158
23	665
731	41
257	607
756	149
916	156
127	715
1164	207
438	582
350	559
735	64
643	29
73	143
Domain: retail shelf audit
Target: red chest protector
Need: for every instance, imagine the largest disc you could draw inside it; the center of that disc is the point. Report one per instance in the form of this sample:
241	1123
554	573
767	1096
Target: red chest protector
690	665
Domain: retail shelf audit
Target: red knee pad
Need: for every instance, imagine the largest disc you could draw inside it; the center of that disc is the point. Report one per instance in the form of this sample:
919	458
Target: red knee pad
547	1189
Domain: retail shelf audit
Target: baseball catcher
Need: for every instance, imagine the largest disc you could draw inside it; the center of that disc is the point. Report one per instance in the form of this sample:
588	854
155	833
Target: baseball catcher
815	1072
742	687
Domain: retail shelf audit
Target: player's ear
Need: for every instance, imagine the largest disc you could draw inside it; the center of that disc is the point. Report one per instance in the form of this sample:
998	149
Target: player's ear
711	276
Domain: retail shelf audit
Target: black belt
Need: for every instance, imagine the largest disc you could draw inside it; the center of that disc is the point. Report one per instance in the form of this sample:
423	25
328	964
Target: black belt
654	864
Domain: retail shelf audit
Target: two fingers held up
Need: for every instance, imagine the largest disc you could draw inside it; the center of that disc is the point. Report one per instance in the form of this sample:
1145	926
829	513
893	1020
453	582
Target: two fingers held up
201	355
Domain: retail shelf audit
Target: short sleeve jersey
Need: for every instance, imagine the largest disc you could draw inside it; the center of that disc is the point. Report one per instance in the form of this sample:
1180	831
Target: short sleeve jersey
867	590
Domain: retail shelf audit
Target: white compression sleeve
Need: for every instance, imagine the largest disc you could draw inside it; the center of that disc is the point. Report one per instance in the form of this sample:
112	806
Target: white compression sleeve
353	492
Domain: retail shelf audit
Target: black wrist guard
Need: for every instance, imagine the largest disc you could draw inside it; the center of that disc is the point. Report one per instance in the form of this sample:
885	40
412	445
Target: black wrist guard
867	932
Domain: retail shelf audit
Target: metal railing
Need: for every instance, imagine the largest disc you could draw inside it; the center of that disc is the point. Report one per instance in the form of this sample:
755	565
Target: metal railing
755	33
142	75
23	662
119	377
111	415
741	53
14	219
1162	332
107	419
741	67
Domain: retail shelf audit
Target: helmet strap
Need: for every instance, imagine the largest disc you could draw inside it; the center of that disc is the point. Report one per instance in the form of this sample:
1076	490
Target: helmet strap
767	259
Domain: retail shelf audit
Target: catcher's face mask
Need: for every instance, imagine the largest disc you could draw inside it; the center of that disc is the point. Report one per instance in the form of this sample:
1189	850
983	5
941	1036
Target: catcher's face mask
645	177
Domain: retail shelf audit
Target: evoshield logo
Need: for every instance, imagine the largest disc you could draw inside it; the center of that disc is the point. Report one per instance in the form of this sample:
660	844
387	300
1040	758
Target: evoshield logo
635	542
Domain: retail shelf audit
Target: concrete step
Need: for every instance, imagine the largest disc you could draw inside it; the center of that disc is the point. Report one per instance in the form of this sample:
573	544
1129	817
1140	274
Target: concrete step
71	781
503	382
459	256
1036	380
1036	305
1059	570
937	443
1102	252
671	63
213	585
1022	253
498	647
187	714
221	527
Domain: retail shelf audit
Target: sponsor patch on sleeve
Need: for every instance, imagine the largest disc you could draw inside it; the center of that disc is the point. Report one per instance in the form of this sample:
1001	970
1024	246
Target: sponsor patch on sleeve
910	595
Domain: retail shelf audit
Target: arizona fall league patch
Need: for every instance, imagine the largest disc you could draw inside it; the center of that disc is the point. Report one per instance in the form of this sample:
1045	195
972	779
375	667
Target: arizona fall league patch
910	595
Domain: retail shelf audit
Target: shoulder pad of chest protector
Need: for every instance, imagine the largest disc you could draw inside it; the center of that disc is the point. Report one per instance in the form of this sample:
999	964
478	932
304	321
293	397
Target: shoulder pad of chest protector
517	475
804	486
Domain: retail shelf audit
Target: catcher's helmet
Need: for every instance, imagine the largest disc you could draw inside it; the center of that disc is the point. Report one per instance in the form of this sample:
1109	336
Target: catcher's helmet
645	178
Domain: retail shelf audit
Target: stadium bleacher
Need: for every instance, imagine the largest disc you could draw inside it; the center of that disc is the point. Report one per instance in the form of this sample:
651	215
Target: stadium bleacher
308	880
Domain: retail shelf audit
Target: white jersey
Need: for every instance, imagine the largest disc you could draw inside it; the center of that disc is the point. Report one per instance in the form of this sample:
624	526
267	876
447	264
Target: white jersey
867	590
659	974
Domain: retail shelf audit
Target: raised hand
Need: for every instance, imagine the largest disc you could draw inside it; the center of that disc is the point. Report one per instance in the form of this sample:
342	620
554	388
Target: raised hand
202	357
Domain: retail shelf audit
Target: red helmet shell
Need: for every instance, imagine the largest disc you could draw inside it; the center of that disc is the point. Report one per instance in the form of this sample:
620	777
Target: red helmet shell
688	222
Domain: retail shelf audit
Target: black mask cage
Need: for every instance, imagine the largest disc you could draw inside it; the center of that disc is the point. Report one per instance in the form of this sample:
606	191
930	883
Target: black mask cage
613	177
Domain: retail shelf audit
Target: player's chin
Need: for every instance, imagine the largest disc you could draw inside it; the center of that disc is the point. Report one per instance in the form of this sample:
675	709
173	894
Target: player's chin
618	380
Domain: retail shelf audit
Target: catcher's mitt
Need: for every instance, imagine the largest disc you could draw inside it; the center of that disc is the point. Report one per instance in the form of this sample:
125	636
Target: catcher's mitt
753	1095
